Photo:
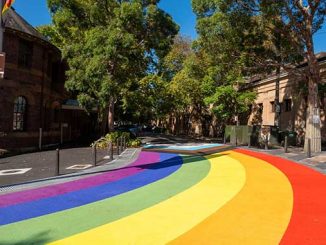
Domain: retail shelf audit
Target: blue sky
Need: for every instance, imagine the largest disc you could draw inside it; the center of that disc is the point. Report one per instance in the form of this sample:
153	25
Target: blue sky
36	13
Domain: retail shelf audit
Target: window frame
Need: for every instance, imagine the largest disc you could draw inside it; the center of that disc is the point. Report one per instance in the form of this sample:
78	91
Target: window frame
19	114
287	105
25	54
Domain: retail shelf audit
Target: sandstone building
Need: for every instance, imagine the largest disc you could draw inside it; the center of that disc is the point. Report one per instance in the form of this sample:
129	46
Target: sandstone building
293	99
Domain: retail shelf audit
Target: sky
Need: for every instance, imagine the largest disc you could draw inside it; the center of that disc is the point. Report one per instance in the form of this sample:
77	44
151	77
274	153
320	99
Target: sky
36	13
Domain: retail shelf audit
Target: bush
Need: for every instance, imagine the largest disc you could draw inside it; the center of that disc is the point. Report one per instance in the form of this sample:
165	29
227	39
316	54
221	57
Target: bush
134	143
103	142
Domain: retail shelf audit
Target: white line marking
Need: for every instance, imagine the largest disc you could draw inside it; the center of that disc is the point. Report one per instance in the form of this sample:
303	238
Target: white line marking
14	171
80	166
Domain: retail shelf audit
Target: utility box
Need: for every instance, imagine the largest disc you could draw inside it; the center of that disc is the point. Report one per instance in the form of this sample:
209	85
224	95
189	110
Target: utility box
239	135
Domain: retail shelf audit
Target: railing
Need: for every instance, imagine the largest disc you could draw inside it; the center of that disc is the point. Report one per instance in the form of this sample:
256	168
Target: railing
120	146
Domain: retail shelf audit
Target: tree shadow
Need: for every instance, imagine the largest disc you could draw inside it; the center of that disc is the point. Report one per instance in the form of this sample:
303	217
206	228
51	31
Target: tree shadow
37	239
194	157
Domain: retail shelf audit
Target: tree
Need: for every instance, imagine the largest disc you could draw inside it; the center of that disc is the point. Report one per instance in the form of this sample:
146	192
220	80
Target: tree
269	34
109	45
223	39
183	70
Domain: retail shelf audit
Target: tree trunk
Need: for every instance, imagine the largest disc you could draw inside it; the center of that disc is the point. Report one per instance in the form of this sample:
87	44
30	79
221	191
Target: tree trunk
313	130
111	115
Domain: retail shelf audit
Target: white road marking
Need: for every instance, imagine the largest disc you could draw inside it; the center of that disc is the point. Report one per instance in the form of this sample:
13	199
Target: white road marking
14	171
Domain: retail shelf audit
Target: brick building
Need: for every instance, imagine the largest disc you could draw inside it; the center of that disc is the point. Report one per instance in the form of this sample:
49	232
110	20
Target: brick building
35	109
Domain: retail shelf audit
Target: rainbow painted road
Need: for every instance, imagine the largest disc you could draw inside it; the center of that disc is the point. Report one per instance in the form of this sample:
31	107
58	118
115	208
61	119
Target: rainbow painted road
231	197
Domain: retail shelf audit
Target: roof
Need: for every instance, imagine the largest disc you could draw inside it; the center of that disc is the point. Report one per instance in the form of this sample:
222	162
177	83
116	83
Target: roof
321	58
14	21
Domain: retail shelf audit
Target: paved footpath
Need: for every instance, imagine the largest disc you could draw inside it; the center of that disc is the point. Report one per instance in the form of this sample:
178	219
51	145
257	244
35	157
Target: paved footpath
228	197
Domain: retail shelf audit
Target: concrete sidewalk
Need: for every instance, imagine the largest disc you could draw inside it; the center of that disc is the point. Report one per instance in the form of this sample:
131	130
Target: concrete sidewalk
296	154
9	183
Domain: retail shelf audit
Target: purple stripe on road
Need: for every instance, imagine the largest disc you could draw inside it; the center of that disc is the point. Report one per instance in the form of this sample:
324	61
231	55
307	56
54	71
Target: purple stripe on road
58	189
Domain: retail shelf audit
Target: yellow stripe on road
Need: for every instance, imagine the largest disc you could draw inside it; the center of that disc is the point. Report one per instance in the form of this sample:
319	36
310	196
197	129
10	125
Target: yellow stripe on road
171	218
259	214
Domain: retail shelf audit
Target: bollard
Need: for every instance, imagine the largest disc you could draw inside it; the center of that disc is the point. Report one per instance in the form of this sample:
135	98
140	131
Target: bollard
286	144
118	149
224	140
266	143
249	140
121	145
125	143
309	149
57	167
94	154
110	151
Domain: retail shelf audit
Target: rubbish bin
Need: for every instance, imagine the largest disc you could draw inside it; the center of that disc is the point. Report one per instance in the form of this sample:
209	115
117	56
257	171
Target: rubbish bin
292	137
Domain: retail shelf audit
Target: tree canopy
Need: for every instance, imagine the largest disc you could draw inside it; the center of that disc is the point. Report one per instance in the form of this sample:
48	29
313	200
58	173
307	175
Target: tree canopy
109	45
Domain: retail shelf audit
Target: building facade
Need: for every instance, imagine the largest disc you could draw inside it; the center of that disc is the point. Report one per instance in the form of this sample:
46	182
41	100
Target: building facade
35	109
293	102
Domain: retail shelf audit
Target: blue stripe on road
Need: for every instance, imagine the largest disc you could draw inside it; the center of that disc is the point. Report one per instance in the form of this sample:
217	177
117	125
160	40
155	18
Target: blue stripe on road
168	164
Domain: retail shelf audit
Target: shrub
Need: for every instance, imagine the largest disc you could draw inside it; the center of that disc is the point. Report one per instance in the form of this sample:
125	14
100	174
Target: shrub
103	142
134	143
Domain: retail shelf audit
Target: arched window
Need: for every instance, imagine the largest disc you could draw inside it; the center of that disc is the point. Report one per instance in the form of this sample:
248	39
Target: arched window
19	114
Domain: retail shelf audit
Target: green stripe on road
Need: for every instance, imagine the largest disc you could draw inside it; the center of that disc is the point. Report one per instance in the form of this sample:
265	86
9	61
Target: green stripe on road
66	223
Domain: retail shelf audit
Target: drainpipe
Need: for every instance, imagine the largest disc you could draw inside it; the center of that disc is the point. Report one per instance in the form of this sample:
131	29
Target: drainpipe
41	103
2	28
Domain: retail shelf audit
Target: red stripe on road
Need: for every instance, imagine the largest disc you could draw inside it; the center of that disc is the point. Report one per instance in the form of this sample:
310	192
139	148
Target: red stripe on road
308	221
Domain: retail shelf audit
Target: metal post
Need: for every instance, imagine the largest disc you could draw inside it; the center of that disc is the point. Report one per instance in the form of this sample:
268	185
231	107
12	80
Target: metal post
286	144
249	140
224	140
57	167
111	151
309	149
121	145
61	134
40	139
94	154
266	144
1	26
118	147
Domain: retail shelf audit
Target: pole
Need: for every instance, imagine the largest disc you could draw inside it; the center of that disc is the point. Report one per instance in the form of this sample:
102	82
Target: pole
309	149
94	154
57	167
249	140
286	144
266	142
121	149
40	139
2	29
118	148
111	151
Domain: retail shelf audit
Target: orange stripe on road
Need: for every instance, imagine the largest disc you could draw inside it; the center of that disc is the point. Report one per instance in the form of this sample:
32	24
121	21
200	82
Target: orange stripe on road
259	214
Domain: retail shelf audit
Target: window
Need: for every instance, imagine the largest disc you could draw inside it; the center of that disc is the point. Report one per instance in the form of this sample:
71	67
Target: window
25	54
272	106
19	114
260	108
288	105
